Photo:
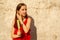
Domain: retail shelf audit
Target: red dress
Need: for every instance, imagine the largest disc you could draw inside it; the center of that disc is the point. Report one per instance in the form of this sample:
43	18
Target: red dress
24	36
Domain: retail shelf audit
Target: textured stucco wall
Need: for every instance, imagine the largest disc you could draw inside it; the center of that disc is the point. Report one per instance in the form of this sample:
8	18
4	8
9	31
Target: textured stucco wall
45	15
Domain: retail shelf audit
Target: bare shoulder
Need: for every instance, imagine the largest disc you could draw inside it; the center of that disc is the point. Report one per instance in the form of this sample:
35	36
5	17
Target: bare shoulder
29	18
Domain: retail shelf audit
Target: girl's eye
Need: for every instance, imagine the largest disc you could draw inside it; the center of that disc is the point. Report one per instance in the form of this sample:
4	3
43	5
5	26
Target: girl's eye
25	9
22	9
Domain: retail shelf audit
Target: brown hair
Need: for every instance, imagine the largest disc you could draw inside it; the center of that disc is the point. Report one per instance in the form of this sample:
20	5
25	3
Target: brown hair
17	9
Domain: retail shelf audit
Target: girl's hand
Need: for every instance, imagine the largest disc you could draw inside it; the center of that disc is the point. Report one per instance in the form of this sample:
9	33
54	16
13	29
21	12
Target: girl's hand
19	33
19	17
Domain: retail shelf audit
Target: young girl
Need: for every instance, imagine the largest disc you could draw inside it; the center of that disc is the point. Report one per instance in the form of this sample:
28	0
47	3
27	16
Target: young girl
21	23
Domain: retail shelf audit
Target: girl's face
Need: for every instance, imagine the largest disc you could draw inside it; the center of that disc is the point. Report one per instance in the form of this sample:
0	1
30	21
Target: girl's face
23	11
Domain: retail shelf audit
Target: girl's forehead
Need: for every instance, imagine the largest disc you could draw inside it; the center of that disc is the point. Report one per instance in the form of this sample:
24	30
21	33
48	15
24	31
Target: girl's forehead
23	7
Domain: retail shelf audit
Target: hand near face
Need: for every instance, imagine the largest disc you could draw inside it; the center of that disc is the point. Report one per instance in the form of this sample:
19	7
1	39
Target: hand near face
20	18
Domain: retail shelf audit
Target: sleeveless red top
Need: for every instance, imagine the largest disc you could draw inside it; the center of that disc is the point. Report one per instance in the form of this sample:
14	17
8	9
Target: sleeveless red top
24	36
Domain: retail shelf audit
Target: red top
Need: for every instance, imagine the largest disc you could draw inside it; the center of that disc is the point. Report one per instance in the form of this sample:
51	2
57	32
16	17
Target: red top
24	36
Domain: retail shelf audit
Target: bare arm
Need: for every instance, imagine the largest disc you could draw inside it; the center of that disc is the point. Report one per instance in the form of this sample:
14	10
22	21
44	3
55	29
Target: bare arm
27	26
12	32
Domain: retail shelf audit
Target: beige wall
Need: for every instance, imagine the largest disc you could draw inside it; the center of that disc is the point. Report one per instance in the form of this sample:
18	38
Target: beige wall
45	15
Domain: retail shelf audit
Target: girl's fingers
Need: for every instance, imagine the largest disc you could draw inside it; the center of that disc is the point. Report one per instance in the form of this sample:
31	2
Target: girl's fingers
18	16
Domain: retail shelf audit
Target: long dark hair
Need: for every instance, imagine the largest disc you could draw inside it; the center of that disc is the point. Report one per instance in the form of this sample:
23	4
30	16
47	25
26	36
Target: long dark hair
17	9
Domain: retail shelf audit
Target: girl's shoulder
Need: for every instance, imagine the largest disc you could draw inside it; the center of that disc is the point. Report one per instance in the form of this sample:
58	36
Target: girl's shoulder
29	18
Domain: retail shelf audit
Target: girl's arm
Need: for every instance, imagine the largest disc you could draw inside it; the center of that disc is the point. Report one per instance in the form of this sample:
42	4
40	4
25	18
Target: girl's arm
12	32
27	26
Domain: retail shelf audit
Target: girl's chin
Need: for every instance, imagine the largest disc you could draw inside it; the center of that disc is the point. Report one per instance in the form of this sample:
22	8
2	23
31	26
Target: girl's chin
23	15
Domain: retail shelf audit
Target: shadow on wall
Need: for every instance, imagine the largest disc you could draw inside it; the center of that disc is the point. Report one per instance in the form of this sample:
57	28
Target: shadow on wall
33	30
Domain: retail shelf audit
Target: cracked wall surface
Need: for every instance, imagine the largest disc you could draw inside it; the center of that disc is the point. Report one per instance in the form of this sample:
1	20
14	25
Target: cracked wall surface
45	14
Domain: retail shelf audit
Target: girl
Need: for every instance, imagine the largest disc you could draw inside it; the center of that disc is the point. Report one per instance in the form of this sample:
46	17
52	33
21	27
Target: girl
21	32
